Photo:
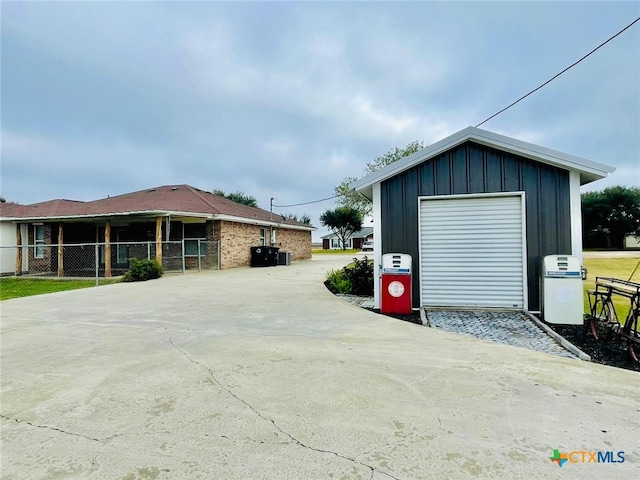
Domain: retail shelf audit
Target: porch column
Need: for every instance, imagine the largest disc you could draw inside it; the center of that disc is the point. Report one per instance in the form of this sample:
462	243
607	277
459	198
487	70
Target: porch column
107	249
18	251
60	252
159	240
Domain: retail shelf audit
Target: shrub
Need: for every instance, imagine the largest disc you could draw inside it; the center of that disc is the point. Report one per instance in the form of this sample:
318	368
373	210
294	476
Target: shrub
360	275
337	282
354	279
142	270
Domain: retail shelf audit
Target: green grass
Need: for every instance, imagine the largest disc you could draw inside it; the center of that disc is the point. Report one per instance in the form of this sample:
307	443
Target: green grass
11	287
619	268
320	251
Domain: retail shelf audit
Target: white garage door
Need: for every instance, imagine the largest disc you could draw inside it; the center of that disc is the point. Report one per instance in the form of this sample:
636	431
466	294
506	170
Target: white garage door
472	251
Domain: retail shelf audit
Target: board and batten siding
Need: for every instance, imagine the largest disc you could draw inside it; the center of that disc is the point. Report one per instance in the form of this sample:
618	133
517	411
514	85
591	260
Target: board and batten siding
473	168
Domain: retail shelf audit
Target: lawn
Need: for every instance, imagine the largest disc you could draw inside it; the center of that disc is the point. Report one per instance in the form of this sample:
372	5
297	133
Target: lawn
11	287
620	268
320	251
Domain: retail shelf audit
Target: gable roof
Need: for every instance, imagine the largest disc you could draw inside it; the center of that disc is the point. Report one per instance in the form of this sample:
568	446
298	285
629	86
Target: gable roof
589	171
366	231
178	200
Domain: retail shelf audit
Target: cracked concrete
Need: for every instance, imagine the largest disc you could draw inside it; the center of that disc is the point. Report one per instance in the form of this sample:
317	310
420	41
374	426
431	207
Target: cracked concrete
4	417
275	425
263	374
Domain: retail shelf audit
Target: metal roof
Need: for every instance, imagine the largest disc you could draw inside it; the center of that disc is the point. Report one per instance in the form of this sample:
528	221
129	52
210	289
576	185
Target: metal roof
589	171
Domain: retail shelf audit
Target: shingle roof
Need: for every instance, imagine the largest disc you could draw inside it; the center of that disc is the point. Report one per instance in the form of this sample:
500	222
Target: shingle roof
168	199
366	231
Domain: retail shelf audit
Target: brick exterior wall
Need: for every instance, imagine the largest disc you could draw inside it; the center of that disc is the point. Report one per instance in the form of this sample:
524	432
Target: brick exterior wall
46	263
237	238
235	242
298	242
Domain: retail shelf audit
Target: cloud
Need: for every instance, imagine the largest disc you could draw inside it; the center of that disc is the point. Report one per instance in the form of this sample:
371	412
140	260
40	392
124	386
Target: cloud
286	99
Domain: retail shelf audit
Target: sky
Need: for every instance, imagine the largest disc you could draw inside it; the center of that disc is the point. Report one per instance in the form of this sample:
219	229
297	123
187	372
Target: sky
285	99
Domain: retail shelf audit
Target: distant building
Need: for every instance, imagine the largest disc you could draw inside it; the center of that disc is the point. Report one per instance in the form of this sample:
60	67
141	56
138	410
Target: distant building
355	241
631	242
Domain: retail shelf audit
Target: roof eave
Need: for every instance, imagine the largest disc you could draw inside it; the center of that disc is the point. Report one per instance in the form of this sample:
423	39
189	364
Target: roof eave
266	223
100	216
589	171
158	213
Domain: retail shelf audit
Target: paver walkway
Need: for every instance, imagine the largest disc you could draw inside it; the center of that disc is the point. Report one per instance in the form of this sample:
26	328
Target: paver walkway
510	328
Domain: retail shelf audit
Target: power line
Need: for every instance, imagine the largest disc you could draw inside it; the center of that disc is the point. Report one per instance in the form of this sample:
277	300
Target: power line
508	106
307	203
558	74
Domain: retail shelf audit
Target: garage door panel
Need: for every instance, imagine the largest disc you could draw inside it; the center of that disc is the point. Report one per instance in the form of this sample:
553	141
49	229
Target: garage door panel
472	252
493	251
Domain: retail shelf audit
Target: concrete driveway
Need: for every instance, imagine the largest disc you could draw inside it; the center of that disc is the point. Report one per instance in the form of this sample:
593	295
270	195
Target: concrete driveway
263	374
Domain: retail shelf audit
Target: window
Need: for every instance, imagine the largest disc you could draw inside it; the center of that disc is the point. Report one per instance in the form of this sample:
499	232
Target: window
38	241
263	237
192	233
336	243
122	250
273	236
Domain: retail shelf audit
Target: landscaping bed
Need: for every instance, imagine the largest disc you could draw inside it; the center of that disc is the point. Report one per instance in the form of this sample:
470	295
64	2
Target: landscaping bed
413	317
612	353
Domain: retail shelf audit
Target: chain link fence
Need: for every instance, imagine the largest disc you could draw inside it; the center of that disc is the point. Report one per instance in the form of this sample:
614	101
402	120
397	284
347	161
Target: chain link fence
88	260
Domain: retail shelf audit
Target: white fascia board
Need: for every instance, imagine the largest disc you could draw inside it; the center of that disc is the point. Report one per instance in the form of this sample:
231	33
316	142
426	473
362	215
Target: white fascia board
164	213
102	216
89	216
410	160
230	218
590	171
543	154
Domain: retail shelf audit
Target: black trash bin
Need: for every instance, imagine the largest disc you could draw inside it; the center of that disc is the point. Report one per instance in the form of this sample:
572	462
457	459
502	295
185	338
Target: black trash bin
260	256
272	256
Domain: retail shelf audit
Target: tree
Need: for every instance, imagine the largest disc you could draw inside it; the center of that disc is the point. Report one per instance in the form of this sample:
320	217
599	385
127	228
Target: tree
610	215
351	198
306	219
343	221
238	197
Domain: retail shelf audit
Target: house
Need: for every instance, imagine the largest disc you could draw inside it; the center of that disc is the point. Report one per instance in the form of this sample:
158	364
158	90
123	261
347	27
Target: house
158	221
477	212
631	242
355	240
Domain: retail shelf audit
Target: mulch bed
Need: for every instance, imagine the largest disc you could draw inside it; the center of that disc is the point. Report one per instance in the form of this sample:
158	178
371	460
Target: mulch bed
613	352
413	317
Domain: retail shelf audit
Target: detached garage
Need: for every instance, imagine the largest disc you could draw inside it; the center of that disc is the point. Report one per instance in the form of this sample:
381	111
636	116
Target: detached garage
477	212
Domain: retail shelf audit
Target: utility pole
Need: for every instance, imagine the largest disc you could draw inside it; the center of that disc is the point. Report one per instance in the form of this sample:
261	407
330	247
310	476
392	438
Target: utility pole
271	218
